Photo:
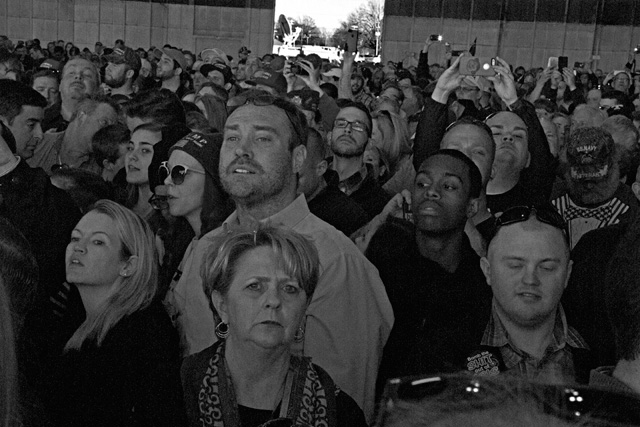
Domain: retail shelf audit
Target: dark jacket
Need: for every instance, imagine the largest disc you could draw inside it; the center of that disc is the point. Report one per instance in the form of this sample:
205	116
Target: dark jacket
336	208
44	214
440	316
131	379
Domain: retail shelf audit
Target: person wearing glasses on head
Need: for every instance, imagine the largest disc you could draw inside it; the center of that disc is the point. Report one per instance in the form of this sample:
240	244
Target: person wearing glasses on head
349	316
193	192
528	268
352	130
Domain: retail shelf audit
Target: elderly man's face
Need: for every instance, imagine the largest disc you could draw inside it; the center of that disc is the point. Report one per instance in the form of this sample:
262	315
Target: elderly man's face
79	79
621	82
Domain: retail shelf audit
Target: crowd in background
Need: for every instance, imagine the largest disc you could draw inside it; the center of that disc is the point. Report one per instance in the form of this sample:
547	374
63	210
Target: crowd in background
242	240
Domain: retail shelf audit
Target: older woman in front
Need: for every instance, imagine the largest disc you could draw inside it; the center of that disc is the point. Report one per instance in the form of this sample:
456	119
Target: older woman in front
260	283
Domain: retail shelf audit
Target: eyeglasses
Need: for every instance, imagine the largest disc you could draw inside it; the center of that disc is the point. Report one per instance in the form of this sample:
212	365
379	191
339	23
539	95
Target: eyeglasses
611	107
177	173
261	99
343	123
546	214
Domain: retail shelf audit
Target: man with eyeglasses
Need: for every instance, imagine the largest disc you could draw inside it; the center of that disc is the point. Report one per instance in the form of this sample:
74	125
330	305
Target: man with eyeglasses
348	140
349	317
528	268
620	80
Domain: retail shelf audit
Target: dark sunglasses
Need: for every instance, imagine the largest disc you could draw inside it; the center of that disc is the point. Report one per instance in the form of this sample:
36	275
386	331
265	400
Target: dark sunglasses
545	214
177	173
262	99
58	166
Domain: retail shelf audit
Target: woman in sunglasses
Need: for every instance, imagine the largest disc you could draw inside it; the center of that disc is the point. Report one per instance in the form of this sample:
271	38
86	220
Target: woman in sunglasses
194	192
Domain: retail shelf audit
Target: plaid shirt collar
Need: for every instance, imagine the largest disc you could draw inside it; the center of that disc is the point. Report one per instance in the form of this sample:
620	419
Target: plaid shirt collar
496	335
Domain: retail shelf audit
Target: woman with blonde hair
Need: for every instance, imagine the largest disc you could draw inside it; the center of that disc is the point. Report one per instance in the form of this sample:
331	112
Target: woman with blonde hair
117	361
260	284
390	135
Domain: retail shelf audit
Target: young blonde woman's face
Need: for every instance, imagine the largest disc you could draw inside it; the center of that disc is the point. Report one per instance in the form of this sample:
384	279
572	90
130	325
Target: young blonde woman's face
93	256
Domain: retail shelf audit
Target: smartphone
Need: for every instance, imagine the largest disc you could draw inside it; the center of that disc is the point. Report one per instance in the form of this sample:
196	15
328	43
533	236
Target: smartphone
553	62
435	37
563	62
351	44
474	66
457	52
578	65
300	71
407	215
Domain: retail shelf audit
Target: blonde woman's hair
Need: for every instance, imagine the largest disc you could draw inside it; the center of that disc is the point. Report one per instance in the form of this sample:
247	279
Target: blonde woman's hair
132	293
8	365
397	145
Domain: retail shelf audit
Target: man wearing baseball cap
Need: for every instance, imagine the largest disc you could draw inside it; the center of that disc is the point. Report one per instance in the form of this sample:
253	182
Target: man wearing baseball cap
595	197
218	74
171	65
211	56
122	70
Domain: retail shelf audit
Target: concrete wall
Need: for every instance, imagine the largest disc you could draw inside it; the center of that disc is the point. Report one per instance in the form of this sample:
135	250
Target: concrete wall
139	24
604	34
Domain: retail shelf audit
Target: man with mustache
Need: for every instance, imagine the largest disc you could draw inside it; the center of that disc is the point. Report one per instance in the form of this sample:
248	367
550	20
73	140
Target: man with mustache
348	140
431	272
349	317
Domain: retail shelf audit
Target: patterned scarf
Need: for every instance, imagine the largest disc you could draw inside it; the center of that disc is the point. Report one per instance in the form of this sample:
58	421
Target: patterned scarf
309	395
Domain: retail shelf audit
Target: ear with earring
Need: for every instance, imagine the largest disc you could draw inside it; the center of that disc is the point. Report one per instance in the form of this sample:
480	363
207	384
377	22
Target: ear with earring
222	330
299	336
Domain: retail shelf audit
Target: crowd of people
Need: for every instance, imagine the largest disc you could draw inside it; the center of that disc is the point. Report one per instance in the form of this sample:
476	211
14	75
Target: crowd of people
207	239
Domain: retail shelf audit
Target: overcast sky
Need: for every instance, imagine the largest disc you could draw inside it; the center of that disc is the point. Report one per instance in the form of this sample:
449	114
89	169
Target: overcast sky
326	13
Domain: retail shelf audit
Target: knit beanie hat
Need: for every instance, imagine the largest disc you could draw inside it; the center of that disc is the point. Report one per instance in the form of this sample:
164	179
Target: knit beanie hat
205	148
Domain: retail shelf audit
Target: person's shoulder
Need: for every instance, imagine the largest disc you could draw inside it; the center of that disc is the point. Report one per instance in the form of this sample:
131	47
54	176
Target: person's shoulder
591	244
194	365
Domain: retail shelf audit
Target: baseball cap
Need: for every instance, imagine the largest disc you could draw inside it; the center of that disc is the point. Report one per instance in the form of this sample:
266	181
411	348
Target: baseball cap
205	69
270	79
50	64
125	56
174	54
214	55
244	49
590	153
